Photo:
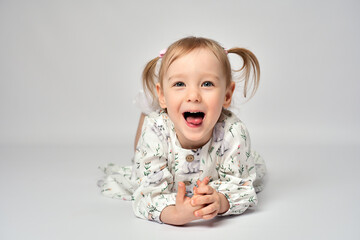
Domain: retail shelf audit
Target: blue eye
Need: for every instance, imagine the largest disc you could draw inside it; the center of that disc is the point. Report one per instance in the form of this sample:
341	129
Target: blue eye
179	84
207	84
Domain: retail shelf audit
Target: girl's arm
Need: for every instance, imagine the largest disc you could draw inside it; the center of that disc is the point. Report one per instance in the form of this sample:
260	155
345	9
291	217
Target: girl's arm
151	173
237	170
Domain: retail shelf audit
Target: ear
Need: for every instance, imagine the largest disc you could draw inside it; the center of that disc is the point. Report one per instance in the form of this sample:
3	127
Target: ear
228	95
161	96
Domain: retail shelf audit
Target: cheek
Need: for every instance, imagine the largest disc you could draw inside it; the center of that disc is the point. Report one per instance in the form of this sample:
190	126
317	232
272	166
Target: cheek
217	99
215	105
172	102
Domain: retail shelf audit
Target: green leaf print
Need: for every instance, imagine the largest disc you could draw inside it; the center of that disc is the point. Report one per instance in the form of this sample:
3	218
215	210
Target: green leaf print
217	167
230	130
252	199
241	170
251	168
247	155
227	196
211	149
147	165
157	150
243	135
152	209
176	165
163	189
107	189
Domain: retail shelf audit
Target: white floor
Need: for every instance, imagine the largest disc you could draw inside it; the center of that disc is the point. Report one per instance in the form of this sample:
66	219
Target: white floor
312	192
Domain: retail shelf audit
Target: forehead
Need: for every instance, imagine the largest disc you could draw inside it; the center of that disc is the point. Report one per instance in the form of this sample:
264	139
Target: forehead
199	61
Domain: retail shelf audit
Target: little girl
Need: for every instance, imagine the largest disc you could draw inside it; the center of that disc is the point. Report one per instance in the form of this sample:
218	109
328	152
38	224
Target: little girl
193	159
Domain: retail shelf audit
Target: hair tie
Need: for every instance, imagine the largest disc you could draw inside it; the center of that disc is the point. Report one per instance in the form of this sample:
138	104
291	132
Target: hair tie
162	53
226	51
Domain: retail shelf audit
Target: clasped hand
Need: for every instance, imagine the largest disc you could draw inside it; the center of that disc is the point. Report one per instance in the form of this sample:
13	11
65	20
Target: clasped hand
204	204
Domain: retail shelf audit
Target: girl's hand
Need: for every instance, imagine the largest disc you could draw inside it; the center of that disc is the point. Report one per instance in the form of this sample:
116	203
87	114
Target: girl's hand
183	211
183	206
214	203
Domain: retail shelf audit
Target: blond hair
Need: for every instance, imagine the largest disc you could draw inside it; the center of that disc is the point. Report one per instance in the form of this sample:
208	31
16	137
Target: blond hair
184	46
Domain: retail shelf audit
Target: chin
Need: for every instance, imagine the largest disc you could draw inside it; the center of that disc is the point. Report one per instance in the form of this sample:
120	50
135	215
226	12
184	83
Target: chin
196	140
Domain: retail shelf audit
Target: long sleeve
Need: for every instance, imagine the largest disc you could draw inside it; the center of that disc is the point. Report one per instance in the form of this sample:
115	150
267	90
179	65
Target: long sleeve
152	172
236	169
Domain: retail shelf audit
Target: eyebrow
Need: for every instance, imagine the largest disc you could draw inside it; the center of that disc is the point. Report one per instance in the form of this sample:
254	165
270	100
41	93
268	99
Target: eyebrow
180	75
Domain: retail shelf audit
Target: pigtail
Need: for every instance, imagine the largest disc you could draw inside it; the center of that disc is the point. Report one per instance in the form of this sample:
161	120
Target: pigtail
149	78
250	68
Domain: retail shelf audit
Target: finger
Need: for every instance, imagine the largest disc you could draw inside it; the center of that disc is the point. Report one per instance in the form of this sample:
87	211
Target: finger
202	200
181	192
204	182
210	216
205	190
208	210
198	182
195	191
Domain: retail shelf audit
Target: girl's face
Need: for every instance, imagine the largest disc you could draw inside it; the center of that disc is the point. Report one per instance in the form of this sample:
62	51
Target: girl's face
193	92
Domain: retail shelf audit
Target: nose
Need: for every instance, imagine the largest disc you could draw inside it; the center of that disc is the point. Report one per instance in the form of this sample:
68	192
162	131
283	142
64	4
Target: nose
193	95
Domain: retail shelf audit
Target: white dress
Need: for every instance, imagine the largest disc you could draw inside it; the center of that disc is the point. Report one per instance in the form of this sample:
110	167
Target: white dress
160	163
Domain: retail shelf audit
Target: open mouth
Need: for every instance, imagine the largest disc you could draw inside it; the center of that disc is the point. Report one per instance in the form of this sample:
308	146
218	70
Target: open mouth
194	118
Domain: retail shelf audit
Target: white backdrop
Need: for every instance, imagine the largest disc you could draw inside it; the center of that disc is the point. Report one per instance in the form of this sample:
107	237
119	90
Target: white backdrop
69	70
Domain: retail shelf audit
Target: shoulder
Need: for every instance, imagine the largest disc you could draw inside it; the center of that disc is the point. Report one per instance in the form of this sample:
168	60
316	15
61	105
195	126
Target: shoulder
157	123
230	129
154	138
158	119
230	136
229	117
158	115
234	123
